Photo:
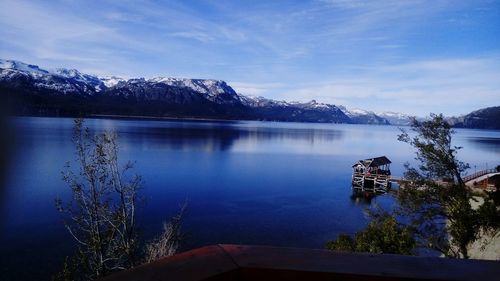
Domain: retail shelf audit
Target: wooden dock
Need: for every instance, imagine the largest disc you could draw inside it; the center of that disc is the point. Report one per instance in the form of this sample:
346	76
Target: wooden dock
372	175
375	183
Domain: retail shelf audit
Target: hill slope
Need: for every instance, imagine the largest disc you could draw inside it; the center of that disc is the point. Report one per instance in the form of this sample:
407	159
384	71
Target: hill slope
69	92
486	118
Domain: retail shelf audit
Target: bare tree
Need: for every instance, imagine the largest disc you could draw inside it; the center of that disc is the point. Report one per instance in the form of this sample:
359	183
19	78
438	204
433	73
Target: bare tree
169	240
101	213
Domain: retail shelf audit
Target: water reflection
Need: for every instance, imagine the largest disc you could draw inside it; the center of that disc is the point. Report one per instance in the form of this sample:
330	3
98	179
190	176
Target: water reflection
283	184
219	137
486	144
360	197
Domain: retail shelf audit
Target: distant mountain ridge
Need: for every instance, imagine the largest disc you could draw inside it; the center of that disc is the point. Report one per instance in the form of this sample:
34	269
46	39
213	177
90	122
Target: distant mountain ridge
362	116
485	118
69	92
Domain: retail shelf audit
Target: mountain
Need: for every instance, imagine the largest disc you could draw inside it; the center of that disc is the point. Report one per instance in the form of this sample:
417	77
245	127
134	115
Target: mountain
68	92
268	109
27	89
395	118
360	116
486	118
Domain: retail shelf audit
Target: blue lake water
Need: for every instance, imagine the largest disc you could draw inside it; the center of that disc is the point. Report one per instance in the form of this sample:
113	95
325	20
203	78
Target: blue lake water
266	183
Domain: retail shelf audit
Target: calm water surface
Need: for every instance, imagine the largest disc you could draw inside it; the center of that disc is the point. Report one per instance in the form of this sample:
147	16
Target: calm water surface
266	183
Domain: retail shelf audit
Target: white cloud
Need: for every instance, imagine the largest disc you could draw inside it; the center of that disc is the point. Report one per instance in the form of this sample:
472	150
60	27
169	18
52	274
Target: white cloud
255	89
53	38
195	35
441	85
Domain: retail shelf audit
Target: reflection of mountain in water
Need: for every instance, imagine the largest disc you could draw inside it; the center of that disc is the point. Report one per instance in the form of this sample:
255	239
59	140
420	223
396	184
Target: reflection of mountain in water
219	136
486	144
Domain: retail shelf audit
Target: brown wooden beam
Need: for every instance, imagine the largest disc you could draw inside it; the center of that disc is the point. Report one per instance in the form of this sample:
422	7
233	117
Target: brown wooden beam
238	262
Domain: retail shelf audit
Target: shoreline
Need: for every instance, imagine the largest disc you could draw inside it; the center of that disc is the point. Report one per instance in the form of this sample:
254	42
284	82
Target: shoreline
146	117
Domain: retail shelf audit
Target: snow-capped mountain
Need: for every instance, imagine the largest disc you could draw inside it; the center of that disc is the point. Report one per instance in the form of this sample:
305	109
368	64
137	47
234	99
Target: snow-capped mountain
62	81
68	91
395	118
269	109
76	75
35	91
362	116
21	67
214	90
254	101
29	89
110	81
72	81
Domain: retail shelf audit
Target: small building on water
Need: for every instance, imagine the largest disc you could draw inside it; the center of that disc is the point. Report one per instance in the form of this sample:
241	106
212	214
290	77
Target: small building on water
372	174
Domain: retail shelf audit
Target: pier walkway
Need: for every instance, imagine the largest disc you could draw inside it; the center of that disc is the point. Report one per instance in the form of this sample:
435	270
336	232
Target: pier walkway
480	177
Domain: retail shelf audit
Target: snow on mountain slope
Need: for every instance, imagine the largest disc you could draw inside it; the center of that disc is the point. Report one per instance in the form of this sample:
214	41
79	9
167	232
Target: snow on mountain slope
20	66
181	91
395	118
362	116
358	112
214	90
110	81
32	76
76	75
210	87
258	101
73	81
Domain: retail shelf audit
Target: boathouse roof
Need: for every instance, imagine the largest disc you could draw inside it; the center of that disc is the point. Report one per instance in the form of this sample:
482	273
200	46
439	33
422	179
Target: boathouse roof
374	162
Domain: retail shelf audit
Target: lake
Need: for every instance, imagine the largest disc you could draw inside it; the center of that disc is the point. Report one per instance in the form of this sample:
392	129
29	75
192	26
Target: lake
265	183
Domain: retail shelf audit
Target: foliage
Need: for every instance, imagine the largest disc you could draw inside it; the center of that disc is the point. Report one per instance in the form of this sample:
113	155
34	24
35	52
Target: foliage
439	210
435	152
343	243
382	235
433	200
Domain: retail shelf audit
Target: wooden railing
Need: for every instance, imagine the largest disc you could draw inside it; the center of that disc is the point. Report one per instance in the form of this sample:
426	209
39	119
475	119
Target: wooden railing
383	176
479	174
237	262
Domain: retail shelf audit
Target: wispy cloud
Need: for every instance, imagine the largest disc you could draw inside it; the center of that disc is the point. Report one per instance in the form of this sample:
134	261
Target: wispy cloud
54	37
195	35
256	89
421	87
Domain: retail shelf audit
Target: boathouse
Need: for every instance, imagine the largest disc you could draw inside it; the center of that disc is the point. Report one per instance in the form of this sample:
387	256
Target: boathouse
372	174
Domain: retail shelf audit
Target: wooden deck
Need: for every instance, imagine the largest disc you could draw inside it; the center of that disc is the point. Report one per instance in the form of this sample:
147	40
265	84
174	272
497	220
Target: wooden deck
248	263
372	174
371	182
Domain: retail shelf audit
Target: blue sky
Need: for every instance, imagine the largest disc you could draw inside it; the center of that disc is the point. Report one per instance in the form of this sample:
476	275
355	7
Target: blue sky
383	55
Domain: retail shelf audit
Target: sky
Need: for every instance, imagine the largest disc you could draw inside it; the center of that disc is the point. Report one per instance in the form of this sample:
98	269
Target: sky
408	56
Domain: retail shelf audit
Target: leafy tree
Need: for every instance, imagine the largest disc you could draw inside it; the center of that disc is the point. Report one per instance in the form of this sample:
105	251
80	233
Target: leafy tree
435	152
434	196
382	235
434	200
